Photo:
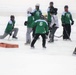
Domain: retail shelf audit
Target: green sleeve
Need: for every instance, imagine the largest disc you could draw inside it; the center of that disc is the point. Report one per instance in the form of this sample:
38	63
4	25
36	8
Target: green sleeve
29	20
40	13
8	28
33	24
13	24
46	28
49	17
63	19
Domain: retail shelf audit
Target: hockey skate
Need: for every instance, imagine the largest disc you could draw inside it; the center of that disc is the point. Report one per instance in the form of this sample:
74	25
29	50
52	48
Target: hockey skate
44	46
32	47
51	41
27	43
14	37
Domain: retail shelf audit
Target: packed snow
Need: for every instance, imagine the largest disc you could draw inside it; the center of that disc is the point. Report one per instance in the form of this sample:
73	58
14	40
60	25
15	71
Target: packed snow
56	59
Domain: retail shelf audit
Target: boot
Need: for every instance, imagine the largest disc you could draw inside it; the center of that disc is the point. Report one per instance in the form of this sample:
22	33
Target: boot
14	37
44	46
28	42
51	41
32	46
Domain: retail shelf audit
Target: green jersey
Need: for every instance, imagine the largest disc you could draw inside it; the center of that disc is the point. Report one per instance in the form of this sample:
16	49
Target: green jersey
30	20
48	15
41	26
10	26
37	14
66	18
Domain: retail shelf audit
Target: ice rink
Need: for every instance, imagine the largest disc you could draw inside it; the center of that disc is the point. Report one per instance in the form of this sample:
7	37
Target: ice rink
56	59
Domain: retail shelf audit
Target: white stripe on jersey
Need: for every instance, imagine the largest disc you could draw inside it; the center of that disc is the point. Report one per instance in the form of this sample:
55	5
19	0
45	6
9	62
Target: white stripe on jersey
29	15
10	22
40	20
64	13
35	10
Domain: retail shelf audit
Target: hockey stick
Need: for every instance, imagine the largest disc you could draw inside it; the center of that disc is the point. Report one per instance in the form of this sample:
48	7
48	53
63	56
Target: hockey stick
67	34
58	36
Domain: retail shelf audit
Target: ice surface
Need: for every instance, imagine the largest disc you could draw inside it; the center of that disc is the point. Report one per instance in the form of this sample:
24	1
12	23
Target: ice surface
56	59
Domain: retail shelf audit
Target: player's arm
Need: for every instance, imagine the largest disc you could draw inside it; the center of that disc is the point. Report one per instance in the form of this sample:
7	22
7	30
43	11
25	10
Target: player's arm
63	20
71	18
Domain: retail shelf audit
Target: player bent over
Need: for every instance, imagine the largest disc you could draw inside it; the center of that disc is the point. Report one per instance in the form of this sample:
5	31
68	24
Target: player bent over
41	29
37	14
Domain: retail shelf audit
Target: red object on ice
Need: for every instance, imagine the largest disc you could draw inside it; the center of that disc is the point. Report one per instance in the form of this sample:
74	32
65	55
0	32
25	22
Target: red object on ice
6	45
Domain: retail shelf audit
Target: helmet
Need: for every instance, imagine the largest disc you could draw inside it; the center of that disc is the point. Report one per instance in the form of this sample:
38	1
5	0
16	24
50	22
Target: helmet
37	4
12	16
51	3
29	9
66	6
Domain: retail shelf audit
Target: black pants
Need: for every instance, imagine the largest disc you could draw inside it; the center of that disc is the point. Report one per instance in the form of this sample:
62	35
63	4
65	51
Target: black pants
66	31
33	34
36	37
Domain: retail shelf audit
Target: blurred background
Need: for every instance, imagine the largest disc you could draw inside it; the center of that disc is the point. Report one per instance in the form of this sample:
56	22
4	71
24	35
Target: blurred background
19	7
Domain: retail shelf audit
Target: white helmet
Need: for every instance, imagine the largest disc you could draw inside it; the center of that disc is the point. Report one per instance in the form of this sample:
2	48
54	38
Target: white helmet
37	4
29	9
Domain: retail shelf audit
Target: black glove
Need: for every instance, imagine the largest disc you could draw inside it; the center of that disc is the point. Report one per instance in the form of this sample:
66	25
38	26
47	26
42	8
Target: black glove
72	23
54	25
10	33
32	14
63	24
25	23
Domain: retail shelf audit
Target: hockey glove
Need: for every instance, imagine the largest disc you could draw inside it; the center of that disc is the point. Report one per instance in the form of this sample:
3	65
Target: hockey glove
63	24
72	23
10	33
32	14
25	23
54	25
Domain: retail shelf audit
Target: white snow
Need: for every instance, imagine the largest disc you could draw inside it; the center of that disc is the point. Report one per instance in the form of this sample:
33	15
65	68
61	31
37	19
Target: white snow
56	59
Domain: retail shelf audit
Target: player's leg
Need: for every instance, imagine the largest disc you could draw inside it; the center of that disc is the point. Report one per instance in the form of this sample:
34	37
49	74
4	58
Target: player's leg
43	40
34	40
3	36
28	37
15	30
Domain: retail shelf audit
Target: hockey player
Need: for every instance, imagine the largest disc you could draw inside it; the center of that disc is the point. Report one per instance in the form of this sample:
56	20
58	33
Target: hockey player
41	29
37	14
48	12
10	28
54	24
50	8
67	21
30	19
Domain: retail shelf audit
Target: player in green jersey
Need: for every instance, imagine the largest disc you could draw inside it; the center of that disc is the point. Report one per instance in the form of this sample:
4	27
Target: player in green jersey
67	21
